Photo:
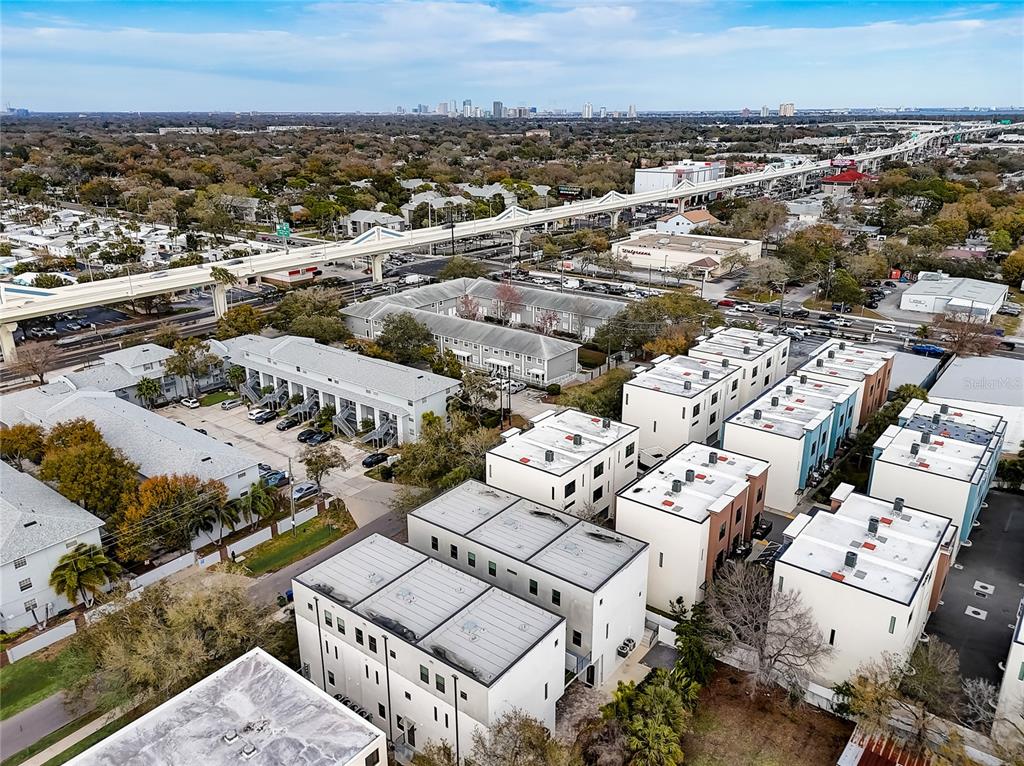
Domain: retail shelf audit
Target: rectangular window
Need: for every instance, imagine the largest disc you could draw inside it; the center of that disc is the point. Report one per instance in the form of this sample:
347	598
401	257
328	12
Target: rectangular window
713	418
556	597
714	398
25	584
453	551
739	514
545	691
892	625
533	587
630	448
328	619
439	683
735	385
832	637
463	695
598	493
721	531
372	643
471	559
381	711
661	559
359	636
760	493
570	488
696	410
341	626
780	583
598	470
433	543
424	674
330	677
492	569
372	759
577	638
19	563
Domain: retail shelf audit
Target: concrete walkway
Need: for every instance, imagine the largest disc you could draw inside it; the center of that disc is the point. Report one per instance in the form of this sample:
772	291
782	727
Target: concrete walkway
74	738
32	724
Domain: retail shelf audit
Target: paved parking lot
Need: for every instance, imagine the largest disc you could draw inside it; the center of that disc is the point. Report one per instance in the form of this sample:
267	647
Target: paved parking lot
367	499
978	610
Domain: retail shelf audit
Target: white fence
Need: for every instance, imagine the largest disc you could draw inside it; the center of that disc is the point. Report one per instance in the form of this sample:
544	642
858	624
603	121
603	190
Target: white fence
664	628
301	517
251	541
43	640
164	570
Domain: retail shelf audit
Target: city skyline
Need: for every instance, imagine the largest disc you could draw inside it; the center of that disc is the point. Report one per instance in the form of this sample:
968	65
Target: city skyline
342	57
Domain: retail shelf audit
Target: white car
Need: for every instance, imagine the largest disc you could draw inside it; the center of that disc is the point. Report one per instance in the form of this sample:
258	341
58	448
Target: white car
746	308
189	402
253	414
516	386
891	328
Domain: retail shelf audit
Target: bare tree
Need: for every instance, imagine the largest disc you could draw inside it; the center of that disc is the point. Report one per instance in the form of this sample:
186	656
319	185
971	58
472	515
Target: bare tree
979	708
766	273
966	336
776	632
507	300
37	360
547	321
467	307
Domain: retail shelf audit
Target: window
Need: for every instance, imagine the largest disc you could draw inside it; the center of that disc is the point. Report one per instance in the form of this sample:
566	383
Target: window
654	426
630	448
735	385
372	644
892	625
341	626
714	398
545	691
832	637
372	759
780	584
381	711
739	514
471	559
570	488
25	584
328	619
19	563
721	531
492	569
463	695
577	638
556	597
433	543
607	626
330	677
533	587
760	493
439	683
454	551
408	696
696	410
598	493
424	674
661	559
598	470
713	418
359	636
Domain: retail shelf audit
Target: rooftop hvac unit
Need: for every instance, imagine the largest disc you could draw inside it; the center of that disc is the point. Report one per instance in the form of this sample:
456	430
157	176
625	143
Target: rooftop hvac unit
686	385
577	440
705	374
746	350
713	458
725	362
789	390
677	485
690	474
897	504
757	414
936	418
819	362
851	560
873	525
915	448
831	354
549	455
803	379
943	408
842	345
926	438
606	423
775	401
760	341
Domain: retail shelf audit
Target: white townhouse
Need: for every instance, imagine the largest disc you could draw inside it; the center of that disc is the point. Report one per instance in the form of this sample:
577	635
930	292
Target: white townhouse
37	526
431	653
680	399
359	388
869	368
870	571
568	460
1008	726
253	710
762	357
695	509
594	578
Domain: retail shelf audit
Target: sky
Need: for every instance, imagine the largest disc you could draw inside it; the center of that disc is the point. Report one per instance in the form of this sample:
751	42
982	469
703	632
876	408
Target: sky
373	55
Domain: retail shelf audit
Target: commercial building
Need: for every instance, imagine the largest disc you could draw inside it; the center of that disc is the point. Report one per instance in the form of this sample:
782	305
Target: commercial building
869	368
938	293
527	356
685	222
796	426
253	710
430	652
360	389
595	579
870	571
940	458
1008	726
39	526
694	510
763	358
680	399
840	185
157	444
668	176
568	460
787	109
989	383
360	221
708	256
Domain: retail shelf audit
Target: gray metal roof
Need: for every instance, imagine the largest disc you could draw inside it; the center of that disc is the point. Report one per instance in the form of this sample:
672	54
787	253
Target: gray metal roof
34	517
134	356
340	365
362	569
104	377
975	379
912	368
265	703
959	288
570	303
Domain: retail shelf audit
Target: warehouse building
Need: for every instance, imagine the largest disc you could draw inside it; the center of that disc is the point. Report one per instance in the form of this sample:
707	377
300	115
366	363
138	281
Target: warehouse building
993	384
703	256
938	293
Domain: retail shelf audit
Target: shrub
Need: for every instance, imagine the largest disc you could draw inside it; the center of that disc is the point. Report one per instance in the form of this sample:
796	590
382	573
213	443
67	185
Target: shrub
554	389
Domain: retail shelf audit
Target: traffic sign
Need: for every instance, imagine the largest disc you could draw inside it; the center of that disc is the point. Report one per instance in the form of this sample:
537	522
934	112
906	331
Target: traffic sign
284	230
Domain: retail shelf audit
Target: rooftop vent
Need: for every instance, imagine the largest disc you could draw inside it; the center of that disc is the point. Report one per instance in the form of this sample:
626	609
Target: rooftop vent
943	408
757	414
606	423
248	751
831	353
873	525
803	379
746	350
549	455
842	345
897	504
851	560
577	440
760	341
819	362
926	438
775	401
713	458
725	362
686	385
230	736
677	485
690	475
914	448
705	374
789	390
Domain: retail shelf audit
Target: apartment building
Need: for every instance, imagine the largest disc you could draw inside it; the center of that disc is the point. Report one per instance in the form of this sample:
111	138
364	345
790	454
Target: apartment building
940	458
360	389
680	399
870	570
254	709
694	510
1008	726
762	357
568	460
867	367
39	526
430	652
797	427
595	579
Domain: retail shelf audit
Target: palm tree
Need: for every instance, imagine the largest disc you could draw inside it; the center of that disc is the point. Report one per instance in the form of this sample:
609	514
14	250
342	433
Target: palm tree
83	570
236	376
653	744
225	515
149	390
260	502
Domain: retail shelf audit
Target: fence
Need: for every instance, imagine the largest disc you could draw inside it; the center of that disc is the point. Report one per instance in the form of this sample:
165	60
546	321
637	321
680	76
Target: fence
663	627
162	571
43	640
300	518
240	546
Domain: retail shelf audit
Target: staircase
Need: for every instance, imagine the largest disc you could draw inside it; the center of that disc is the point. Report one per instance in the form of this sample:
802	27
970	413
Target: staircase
346	420
306	407
384	434
250	390
276	397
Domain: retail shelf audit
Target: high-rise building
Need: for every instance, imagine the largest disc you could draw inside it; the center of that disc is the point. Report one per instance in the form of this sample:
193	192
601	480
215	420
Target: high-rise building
467	108
632	111
442	107
787	110
478	112
765	111
453	108
603	112
498	110
588	111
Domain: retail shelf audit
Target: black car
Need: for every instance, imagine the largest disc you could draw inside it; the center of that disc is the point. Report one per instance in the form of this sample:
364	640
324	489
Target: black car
264	468
320	437
289	422
762	529
307	434
889	283
265	417
276	479
871	304
800	313
375	459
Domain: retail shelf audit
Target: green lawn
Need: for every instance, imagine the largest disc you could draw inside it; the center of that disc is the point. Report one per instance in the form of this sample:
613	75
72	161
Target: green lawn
28	681
216	398
50	739
291	546
100	734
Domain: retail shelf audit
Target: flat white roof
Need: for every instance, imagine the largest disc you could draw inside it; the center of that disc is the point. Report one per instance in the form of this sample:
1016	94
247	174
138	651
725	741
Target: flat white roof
977	379
789	414
714	485
739	344
940	456
800	386
465	622
681	376
686	243
553	432
847	360
964	289
255	699
573	550
890	563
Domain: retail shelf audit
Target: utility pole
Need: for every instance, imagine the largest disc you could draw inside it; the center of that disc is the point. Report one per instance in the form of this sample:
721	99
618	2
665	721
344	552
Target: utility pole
291	495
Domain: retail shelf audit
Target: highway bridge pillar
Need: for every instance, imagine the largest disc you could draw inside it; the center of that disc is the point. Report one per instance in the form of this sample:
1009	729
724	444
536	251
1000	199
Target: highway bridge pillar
220	300
615	218
377	267
10	351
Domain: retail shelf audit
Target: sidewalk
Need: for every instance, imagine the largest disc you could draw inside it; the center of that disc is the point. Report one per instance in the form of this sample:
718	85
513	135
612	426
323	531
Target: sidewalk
32	724
59	747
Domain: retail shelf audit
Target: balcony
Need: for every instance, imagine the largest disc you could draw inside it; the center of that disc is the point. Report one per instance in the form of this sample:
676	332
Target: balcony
575	664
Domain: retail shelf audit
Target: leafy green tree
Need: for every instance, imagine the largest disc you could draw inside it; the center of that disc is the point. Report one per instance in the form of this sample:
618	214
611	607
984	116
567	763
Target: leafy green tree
235	375
308	302
166	335
445	363
460	266
766	275
1013	267
845	289
445	454
260	503
322	329
21	441
83	571
405	339
239	320
49	281
321	459
192	359
603	402
1001	241
692	632
653	744
92	474
168	511
149	390
642	321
